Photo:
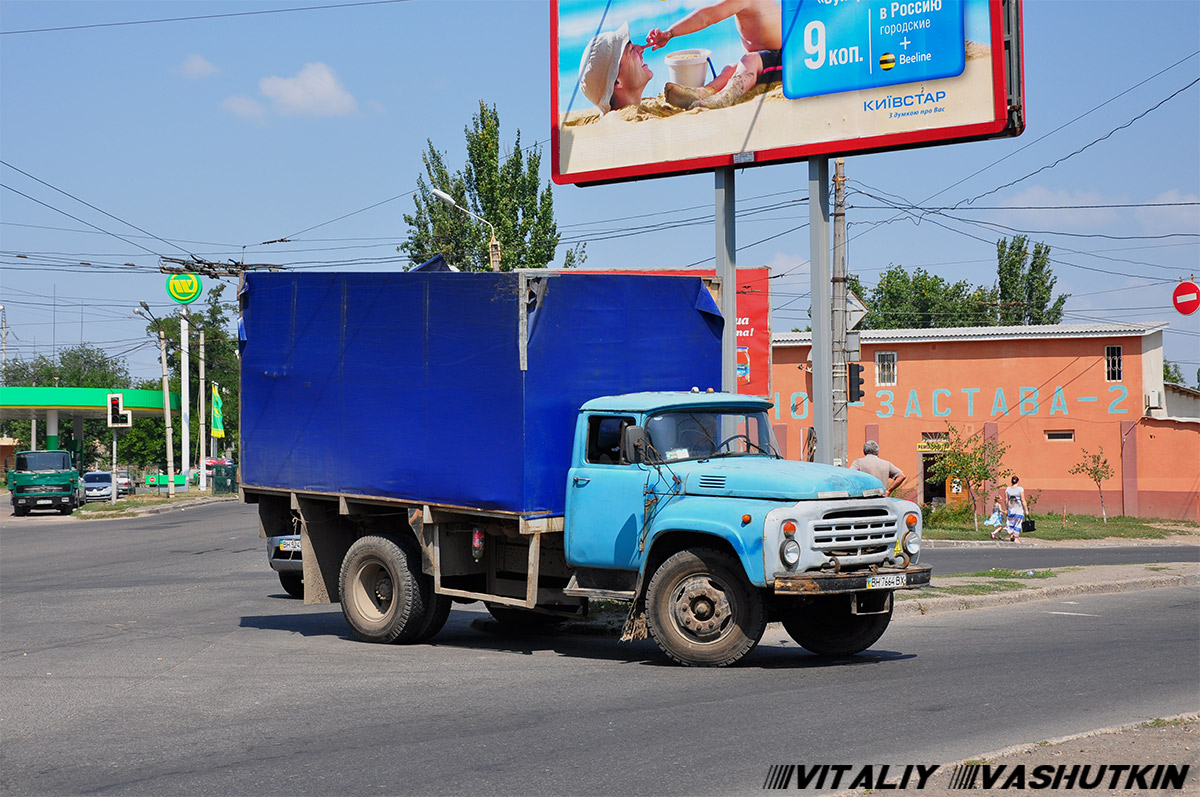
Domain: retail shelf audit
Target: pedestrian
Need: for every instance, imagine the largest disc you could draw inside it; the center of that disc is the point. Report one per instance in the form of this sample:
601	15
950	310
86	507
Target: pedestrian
1017	509
888	474
997	519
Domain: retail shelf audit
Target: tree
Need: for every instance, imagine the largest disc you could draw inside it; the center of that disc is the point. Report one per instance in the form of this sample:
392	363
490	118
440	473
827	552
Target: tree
1173	373
1022	294
974	461
1026	284
924	301
1096	468
505	193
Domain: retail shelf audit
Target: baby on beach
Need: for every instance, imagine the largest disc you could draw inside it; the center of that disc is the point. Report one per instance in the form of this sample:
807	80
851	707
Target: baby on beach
760	28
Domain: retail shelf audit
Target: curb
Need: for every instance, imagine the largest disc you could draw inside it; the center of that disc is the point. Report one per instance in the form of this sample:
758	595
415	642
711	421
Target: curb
161	509
917	606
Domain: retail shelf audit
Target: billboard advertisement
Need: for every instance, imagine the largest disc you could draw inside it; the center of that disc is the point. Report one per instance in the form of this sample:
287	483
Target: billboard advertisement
642	89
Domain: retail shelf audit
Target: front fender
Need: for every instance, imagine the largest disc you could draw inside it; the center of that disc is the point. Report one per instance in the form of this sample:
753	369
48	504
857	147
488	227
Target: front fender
718	517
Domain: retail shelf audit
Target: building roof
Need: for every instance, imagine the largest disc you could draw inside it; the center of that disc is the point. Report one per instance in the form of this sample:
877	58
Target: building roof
1091	330
1182	389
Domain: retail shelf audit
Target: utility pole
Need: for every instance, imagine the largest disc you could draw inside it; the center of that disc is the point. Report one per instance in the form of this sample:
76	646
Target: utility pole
200	439
822	324
840	395
185	380
162	354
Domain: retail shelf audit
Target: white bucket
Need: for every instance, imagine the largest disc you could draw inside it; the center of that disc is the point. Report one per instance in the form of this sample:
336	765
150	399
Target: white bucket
689	67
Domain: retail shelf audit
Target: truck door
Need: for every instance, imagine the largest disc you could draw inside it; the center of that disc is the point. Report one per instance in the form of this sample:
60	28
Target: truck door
605	499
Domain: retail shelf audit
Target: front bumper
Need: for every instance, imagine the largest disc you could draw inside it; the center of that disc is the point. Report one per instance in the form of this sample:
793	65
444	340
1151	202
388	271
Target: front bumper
282	560
40	499
866	580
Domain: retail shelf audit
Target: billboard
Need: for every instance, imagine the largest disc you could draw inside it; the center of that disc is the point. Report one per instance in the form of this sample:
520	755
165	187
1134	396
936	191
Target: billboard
644	89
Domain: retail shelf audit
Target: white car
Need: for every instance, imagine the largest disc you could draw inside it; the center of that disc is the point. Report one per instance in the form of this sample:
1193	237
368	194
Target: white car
125	485
97	486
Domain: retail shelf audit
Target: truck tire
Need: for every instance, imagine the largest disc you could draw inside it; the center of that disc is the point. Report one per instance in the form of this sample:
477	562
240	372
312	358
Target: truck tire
20	511
827	628
385	596
293	583
702	611
435	617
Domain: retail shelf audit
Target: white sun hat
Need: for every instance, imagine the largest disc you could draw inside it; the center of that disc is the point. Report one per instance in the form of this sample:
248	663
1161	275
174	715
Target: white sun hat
599	66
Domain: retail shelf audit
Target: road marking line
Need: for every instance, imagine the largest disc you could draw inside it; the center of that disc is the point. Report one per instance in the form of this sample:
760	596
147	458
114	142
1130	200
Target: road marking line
1074	614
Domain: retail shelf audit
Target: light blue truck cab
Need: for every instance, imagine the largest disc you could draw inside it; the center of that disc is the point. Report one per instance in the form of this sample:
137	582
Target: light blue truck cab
681	503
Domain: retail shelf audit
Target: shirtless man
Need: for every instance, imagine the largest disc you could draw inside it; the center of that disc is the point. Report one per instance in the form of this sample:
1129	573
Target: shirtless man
612	73
759	25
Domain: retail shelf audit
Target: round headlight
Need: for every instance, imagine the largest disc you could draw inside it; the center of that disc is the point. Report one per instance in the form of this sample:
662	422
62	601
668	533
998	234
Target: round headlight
789	552
912	543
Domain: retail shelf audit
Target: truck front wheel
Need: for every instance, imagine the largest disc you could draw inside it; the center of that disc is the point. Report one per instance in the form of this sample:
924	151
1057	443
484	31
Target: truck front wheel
702	611
385	596
826	627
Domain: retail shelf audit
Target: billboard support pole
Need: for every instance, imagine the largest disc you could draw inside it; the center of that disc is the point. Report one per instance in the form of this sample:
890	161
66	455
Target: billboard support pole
727	271
822	322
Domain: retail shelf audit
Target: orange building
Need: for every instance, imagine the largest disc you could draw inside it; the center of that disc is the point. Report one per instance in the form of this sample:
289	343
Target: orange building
1048	392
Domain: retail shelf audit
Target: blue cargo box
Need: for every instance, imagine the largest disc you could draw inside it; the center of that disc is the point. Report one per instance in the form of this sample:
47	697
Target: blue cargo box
453	389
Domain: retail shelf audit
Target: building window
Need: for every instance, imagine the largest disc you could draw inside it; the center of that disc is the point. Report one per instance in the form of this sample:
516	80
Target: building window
885	368
1112	363
1061	434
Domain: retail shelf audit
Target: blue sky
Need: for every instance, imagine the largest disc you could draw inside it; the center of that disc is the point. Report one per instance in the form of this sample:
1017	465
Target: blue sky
216	134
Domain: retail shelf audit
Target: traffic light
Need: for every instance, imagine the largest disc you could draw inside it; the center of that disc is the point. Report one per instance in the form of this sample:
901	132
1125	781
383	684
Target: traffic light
117	416
854	383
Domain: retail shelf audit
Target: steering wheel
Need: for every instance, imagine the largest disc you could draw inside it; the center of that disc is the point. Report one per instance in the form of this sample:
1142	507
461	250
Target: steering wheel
749	443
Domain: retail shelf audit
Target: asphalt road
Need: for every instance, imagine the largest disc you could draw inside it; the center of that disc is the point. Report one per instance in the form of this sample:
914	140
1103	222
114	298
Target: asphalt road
158	655
1023	556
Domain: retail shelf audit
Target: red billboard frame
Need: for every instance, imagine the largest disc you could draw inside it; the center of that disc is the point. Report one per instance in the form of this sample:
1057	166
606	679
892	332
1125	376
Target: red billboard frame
1002	124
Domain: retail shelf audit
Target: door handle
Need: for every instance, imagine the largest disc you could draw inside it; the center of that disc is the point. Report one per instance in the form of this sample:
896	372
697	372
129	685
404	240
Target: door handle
581	480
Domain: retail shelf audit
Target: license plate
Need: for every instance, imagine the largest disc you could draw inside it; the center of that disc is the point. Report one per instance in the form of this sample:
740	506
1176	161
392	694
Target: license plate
895	581
45	500
289	545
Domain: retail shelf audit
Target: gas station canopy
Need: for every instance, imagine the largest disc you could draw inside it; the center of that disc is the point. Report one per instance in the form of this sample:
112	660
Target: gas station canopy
32	403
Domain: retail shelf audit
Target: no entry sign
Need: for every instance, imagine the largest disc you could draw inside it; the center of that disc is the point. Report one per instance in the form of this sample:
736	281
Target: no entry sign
1186	297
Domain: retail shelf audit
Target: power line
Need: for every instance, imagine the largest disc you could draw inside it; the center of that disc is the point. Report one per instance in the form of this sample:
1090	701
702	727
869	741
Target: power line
200	17
93	207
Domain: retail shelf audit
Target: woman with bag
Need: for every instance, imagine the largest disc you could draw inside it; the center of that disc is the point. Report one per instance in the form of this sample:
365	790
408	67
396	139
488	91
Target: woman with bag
1016	509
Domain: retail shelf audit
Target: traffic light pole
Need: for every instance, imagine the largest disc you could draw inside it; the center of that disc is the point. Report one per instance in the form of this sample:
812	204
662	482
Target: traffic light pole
822	326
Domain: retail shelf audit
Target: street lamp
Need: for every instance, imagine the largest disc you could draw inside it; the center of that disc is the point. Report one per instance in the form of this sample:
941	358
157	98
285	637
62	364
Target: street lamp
145	312
493	245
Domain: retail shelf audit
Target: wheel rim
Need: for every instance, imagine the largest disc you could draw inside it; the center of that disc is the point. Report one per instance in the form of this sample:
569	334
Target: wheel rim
373	592
700	608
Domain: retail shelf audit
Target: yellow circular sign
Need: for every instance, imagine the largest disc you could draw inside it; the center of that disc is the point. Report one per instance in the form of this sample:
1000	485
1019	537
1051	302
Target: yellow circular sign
183	288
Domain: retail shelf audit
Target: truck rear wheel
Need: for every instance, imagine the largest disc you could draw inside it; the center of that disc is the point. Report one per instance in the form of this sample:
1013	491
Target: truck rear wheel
385	596
702	611
826	627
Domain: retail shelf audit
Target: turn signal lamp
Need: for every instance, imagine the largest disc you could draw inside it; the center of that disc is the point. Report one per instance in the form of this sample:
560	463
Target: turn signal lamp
789	528
746	520
911	519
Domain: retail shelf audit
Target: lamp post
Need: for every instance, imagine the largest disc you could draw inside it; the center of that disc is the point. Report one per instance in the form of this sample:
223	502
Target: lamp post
145	312
493	245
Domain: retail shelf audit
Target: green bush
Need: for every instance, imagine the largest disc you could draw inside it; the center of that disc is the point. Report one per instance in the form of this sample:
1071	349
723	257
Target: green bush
950	515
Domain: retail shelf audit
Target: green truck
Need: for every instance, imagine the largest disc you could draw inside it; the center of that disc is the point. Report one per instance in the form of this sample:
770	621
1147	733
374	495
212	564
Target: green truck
44	480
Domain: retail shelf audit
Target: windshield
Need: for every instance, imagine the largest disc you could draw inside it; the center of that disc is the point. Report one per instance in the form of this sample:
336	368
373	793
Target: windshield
708	433
43	460
97	478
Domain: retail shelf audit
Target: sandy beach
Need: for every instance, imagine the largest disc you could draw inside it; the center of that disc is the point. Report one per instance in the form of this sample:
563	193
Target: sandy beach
655	131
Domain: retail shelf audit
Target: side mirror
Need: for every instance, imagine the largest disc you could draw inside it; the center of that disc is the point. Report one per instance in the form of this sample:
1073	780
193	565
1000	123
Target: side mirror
633	444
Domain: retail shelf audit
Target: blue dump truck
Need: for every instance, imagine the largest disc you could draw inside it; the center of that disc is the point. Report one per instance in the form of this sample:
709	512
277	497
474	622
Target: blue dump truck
535	440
